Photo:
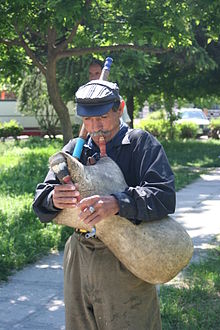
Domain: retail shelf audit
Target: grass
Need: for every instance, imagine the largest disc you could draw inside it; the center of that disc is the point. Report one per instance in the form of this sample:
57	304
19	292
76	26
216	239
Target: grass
23	238
194	304
23	164
189	159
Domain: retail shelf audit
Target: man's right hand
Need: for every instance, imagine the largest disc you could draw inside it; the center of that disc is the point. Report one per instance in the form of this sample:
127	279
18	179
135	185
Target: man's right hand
66	196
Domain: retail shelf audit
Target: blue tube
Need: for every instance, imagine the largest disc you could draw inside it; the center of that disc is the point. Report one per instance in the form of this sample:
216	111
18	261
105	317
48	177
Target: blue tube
78	148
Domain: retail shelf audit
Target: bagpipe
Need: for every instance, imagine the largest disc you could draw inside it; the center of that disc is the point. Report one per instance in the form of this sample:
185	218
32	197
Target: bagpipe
154	251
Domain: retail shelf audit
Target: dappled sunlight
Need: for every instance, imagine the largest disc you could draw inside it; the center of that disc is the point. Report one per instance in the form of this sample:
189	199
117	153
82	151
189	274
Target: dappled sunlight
198	212
46	266
55	304
19	299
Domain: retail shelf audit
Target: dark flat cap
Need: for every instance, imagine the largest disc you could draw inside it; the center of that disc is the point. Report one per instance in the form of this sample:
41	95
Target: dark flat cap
96	98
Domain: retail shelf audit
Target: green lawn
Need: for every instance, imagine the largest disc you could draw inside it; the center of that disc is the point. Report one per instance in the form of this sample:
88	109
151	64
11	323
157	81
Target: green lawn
191	158
195	303
23	238
23	164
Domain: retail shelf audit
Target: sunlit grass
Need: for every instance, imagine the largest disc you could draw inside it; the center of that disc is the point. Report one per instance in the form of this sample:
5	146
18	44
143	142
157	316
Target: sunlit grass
23	238
196	303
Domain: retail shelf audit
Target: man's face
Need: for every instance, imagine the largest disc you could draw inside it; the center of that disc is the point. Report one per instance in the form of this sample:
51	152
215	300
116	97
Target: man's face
94	72
106	125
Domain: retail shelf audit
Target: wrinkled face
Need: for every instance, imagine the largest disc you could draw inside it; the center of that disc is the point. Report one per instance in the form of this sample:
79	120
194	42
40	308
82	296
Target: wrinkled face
94	71
106	125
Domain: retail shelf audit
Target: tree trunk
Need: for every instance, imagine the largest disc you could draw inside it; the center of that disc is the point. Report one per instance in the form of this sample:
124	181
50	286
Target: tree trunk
57	102
130	108
169	104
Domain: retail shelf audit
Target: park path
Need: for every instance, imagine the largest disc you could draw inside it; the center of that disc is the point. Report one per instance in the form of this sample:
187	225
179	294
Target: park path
33	297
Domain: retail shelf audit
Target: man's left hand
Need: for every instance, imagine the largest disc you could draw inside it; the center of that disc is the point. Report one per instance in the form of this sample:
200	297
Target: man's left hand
95	208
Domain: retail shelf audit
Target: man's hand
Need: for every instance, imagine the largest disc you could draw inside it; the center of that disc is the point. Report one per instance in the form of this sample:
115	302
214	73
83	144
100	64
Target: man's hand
95	208
65	196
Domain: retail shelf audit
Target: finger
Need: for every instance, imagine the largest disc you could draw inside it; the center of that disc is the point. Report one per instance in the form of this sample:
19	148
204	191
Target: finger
85	203
66	194
64	198
65	190
65	187
67	200
65	206
99	204
86	213
93	221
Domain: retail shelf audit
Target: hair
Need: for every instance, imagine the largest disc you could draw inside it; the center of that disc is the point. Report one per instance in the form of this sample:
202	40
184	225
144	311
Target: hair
96	61
116	106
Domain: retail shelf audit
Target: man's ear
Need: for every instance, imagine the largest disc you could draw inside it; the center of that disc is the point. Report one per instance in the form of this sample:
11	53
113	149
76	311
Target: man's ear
121	107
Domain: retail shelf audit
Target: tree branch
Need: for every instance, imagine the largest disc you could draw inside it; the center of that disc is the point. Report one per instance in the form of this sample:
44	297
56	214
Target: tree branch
65	43
30	53
51	39
102	49
15	42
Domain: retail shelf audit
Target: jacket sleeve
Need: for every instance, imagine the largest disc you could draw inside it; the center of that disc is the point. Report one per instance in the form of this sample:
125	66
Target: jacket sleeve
152	195
43	204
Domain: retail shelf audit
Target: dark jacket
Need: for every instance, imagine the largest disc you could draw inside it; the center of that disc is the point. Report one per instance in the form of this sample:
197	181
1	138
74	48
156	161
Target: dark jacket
150	194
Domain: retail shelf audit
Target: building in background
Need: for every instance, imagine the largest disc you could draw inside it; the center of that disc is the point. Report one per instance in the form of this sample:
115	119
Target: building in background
8	111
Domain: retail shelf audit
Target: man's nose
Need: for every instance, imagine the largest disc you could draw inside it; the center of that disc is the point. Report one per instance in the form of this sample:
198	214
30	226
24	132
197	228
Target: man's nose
94	76
96	126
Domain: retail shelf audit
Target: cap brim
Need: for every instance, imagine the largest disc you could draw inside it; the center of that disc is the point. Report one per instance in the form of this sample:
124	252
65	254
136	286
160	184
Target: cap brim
93	110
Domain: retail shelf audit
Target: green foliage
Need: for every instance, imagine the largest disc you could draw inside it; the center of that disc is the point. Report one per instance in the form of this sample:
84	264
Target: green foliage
33	95
155	127
10	129
156	115
157	124
13	63
180	59
187	130
215	128
33	100
72	73
160	128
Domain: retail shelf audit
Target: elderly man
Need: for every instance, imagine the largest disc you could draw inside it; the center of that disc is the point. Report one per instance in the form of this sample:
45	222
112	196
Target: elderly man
100	293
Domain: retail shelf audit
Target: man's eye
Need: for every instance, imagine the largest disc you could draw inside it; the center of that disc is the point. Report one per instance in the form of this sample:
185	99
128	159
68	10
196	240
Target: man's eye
104	116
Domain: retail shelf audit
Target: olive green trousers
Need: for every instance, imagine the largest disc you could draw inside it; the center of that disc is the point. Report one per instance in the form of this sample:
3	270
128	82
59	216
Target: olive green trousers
100	293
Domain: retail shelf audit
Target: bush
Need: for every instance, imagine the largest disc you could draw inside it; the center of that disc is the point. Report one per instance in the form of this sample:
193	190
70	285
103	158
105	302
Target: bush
160	128
155	127
11	128
187	130
215	128
157	115
1	130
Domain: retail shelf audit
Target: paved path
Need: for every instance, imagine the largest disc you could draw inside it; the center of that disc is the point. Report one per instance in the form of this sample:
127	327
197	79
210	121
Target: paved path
197	210
33	297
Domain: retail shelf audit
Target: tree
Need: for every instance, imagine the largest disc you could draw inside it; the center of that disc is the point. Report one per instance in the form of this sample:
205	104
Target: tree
42	33
33	99
131	70
192	71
